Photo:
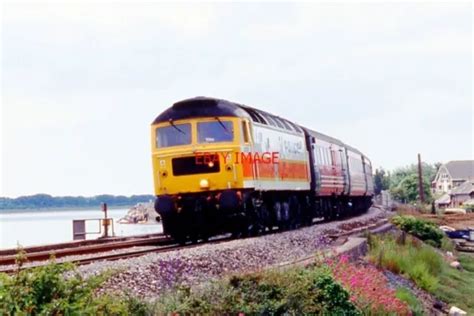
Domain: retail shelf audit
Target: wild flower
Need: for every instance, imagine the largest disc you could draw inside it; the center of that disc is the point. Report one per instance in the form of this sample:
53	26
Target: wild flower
368	287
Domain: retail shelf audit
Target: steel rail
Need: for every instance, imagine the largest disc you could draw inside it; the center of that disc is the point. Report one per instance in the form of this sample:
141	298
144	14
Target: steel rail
63	252
76	243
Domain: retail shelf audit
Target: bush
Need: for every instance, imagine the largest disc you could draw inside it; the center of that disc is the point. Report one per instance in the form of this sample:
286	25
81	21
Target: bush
47	291
293	292
424	230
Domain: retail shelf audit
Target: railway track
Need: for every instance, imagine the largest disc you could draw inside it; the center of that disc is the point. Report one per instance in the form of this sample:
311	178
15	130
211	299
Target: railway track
167	244
74	244
157	243
43	253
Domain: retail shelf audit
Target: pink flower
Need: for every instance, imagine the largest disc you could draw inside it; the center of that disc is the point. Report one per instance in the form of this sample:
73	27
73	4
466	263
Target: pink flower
368	286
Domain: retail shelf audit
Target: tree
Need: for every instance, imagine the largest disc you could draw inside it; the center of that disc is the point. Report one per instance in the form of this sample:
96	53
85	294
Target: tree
381	180
407	189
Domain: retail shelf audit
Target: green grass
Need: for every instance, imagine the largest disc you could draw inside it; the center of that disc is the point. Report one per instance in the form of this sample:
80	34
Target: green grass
457	287
408	297
417	261
425	266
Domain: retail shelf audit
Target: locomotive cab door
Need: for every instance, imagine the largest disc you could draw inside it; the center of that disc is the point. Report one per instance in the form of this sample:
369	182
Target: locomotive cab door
247	146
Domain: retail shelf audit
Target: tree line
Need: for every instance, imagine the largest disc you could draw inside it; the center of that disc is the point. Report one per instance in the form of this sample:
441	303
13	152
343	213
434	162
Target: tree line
48	201
403	182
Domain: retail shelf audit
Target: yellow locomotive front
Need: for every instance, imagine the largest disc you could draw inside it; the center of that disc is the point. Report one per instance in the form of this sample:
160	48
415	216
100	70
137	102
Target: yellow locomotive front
197	155
197	177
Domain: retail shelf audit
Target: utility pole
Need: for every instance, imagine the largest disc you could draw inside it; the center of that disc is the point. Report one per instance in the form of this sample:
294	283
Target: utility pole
420	181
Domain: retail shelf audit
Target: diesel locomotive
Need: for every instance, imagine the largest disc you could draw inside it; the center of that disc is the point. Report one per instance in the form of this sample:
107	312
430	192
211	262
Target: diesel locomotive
224	167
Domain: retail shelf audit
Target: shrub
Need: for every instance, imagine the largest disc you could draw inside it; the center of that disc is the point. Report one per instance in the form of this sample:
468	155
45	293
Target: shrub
293	292
47	291
424	230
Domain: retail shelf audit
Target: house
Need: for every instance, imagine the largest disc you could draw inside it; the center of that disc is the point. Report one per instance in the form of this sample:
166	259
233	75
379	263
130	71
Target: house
444	201
462	193
451	175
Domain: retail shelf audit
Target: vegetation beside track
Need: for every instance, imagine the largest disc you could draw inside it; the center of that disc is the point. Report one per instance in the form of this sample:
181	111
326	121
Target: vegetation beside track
56	289
329	286
426	266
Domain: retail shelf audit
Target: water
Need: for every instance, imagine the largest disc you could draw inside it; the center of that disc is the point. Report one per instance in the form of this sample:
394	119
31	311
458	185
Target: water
40	227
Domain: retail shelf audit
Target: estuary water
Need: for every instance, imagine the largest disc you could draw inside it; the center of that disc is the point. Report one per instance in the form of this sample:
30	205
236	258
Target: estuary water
40	227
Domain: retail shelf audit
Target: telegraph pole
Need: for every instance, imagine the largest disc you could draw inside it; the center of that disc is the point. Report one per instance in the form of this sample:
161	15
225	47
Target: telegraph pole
420	181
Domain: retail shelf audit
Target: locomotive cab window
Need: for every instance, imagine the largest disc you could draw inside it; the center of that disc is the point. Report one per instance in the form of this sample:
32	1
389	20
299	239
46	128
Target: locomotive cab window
215	132
173	135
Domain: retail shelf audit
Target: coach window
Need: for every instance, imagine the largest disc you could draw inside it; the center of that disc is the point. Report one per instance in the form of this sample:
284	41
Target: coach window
215	131
325	157
328	153
173	135
320	155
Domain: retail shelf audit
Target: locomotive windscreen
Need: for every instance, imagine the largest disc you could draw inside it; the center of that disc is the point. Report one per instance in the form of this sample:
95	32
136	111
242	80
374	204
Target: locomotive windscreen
173	135
190	165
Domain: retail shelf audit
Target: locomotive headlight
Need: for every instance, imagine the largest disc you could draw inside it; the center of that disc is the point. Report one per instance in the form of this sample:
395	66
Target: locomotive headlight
211	164
204	184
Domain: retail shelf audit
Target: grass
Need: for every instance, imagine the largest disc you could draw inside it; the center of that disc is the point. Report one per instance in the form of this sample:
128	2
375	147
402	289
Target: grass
412	258
426	267
408	297
457	287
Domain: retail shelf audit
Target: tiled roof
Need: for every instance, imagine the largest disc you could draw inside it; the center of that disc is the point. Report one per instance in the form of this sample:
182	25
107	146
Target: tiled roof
461	169
465	188
445	199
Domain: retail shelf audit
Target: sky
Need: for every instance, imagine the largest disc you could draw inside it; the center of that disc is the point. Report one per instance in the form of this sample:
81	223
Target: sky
81	84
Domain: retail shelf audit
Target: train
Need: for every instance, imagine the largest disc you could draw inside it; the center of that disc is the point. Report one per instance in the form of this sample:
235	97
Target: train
224	167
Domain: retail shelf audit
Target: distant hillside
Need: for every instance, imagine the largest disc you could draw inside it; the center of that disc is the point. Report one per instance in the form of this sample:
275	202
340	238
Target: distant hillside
48	201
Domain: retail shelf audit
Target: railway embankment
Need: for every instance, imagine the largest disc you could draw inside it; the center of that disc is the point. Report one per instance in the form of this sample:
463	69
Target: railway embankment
152	274
359	265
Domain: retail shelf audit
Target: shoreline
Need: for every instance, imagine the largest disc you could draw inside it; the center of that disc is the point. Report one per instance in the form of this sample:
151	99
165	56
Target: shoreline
61	209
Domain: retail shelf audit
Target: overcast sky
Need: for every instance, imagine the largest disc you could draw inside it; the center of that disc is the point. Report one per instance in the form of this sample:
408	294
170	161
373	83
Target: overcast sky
82	83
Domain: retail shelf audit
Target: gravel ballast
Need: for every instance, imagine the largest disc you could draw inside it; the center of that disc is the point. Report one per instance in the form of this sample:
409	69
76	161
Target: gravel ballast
151	274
